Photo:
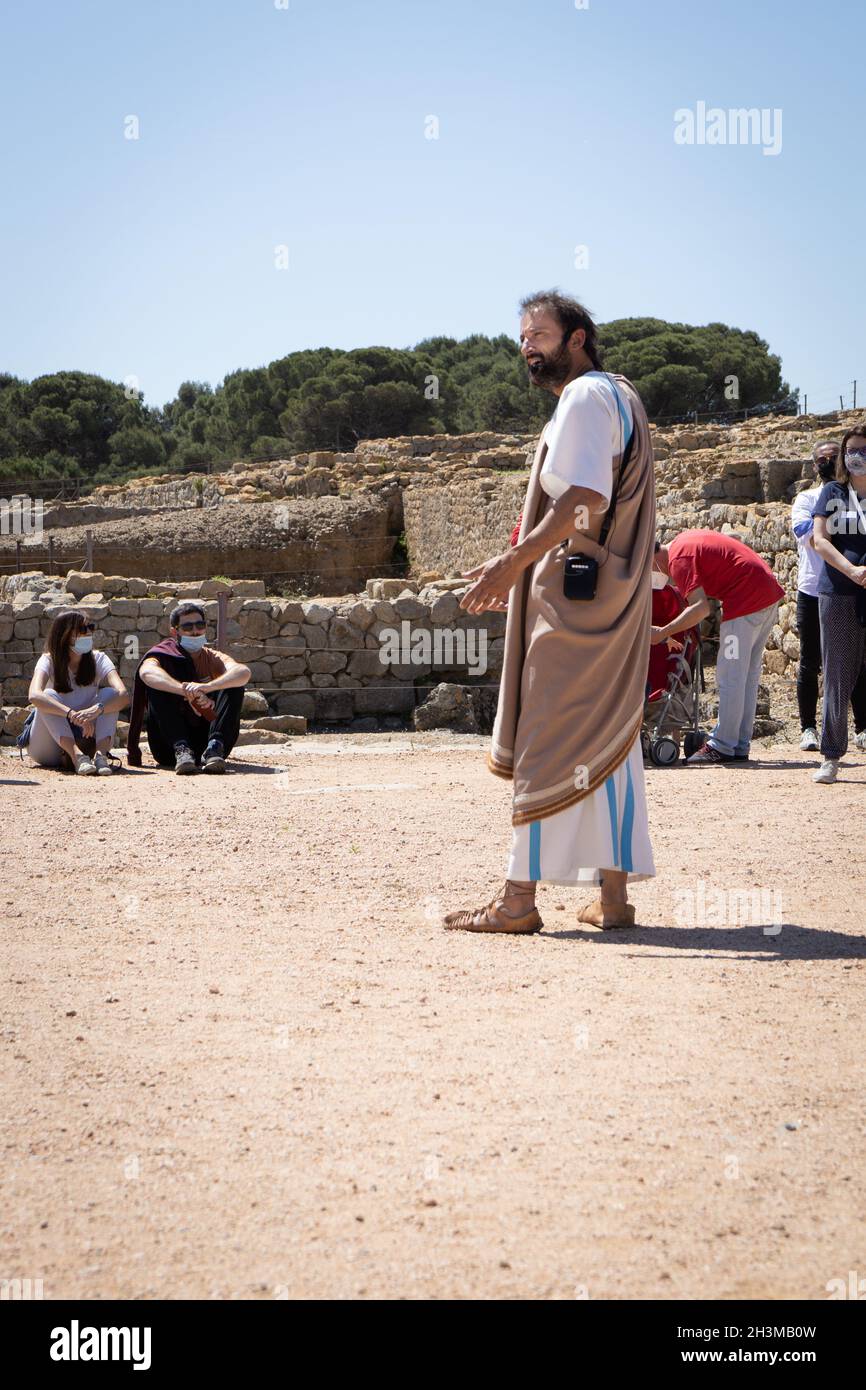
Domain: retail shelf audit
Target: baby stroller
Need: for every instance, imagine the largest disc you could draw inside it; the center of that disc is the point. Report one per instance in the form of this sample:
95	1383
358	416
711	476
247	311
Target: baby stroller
671	713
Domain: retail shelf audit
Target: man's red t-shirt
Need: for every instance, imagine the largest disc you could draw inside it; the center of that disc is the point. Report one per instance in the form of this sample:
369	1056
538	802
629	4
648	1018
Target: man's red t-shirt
725	569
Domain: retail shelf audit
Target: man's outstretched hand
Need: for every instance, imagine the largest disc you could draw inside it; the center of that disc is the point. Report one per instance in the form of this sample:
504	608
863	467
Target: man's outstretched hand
494	581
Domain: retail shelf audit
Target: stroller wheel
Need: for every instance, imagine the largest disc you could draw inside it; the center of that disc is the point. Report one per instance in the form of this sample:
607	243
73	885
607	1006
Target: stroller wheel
693	740
664	751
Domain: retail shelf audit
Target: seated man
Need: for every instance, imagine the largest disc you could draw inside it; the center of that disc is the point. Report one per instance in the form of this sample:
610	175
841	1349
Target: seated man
191	695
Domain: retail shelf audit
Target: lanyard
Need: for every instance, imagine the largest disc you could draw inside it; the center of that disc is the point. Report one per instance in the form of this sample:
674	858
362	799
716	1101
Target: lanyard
856	501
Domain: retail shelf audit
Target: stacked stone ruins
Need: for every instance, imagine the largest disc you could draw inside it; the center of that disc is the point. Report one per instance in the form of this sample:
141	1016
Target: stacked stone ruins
341	571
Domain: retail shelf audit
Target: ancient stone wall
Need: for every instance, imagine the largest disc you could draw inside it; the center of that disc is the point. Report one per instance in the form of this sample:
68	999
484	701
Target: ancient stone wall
451	529
335	662
326	522
325	545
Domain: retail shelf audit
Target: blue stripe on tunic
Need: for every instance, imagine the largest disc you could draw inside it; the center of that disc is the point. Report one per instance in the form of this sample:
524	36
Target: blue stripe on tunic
626	427
534	851
627	822
611	806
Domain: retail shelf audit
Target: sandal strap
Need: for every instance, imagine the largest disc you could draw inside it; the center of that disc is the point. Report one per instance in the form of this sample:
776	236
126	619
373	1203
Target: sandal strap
491	919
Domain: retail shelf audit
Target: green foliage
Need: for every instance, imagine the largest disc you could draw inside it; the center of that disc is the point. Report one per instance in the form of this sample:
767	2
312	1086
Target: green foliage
678	368
400	553
135	447
74	424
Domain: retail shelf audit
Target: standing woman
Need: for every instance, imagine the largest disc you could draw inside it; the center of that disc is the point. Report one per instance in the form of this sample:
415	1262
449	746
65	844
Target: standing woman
840	540
74	689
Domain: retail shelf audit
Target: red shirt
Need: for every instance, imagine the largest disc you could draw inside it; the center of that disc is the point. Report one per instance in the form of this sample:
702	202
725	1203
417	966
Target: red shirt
725	569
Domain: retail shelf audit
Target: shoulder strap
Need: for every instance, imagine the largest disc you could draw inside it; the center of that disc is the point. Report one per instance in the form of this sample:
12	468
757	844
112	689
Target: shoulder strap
853	498
626	455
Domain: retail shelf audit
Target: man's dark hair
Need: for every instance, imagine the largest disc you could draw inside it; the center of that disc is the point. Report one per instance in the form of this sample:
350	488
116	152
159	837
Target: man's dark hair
571	315
658	547
825	467
186	607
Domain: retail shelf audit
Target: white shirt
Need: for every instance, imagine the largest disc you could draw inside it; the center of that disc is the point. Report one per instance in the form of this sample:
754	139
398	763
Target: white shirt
587	431
104	668
810	563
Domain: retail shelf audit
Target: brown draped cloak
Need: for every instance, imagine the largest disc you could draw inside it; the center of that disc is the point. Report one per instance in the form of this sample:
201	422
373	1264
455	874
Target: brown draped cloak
574	673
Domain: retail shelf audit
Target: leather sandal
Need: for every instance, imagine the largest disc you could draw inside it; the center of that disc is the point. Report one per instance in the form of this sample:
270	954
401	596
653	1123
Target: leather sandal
607	919
490	919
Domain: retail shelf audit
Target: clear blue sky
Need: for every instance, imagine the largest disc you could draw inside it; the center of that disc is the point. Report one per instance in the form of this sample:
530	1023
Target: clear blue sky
261	126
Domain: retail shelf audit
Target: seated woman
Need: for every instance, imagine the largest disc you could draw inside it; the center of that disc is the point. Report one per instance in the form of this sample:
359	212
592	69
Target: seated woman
75	691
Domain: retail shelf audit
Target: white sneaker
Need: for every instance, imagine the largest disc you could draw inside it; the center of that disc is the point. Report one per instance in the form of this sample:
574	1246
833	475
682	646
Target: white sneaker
860	741
102	765
809	741
827	771
84	767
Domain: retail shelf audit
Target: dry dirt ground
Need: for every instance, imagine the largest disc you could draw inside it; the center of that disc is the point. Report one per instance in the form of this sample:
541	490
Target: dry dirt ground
242	1060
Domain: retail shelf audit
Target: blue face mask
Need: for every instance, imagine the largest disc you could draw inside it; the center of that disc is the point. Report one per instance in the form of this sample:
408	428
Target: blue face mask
83	645
192	644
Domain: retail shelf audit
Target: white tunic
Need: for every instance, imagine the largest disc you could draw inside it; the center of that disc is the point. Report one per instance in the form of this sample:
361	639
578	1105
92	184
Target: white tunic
609	828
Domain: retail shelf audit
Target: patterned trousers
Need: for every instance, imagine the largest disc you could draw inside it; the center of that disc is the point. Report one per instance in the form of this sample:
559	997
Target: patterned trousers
843	646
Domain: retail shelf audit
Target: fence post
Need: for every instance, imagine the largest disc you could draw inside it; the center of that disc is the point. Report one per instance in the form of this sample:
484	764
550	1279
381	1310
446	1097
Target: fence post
222	615
50	554
88	561
18	556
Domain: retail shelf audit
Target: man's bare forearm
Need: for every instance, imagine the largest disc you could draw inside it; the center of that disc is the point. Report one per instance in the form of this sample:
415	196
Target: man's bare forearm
690	617
159	679
229	680
559	524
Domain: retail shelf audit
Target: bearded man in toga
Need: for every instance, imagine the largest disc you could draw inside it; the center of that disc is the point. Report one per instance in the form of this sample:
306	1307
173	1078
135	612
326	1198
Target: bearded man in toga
567	730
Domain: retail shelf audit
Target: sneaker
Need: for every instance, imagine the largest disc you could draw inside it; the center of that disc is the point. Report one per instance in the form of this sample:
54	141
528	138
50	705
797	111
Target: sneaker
708	755
809	741
860	741
84	766
827	771
184	762
214	757
102	765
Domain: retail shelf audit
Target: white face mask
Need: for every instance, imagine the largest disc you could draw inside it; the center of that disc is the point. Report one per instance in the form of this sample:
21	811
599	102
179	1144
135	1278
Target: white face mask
659	580
855	462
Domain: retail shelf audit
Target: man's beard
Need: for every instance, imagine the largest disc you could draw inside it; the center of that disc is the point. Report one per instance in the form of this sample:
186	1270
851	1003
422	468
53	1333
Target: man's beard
549	372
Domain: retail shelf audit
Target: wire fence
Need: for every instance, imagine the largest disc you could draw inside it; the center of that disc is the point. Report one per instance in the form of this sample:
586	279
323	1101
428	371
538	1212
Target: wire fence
51	558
